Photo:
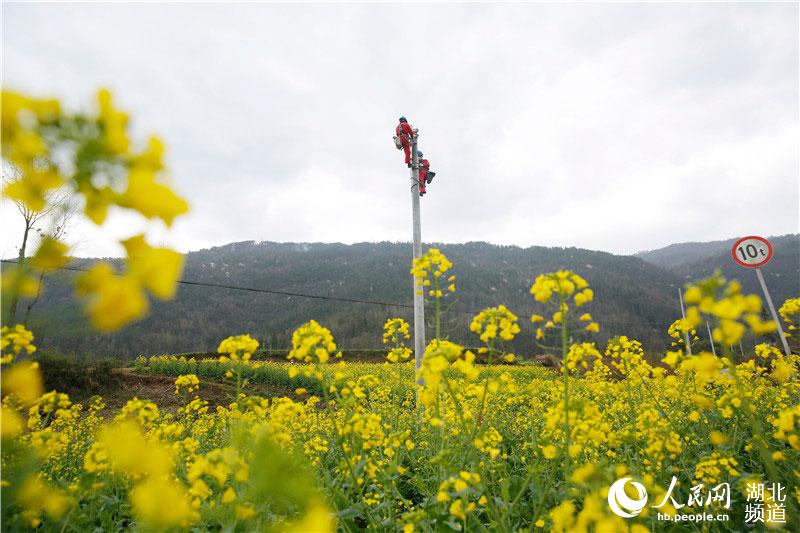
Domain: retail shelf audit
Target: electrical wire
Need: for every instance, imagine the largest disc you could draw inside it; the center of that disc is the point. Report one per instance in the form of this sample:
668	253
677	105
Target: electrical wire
267	291
293	294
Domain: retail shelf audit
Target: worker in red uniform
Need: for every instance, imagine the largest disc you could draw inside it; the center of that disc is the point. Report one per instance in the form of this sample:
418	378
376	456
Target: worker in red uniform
429	174
405	133
424	168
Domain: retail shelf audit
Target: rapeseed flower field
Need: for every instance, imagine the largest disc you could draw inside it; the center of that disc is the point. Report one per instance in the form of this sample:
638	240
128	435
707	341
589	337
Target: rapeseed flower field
471	447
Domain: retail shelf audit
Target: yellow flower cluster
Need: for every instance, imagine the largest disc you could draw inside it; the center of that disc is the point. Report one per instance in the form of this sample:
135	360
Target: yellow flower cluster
237	347
566	285
399	354
787	426
731	311
123	448
657	438
594	515
116	299
679	329
367	428
627	356
493	322
705	367
790	312
38	498
582	355
395	331
216	467
765	351
162	503
143	412
589	430
440	356
463	493
712	469
14	341
429	268
312	342
187	383
90	158
24	147
23	381
489	443
781	367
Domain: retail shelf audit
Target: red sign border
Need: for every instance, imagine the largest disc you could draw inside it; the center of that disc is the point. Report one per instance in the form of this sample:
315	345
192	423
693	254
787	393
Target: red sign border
762	263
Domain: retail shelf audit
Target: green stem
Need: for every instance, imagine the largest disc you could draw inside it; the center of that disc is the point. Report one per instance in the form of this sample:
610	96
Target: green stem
522	490
459	409
438	308
565	372
332	414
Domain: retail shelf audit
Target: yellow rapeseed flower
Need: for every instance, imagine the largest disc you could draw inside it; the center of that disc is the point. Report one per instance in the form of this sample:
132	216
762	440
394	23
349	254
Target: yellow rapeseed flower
162	503
24	381
114	300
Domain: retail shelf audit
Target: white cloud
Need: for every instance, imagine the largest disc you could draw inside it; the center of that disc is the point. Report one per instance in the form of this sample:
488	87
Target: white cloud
615	127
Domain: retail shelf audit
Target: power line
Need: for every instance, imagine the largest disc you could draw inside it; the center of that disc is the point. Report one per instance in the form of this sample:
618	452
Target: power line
266	291
255	289
292	294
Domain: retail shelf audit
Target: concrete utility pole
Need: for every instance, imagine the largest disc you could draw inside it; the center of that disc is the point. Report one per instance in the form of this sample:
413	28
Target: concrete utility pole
419	302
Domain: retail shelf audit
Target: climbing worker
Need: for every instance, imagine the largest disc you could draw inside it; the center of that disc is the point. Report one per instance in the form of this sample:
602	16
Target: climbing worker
424	167
404	133
424	163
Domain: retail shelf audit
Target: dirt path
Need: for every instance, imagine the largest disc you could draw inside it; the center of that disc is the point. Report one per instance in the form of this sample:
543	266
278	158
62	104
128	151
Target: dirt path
160	389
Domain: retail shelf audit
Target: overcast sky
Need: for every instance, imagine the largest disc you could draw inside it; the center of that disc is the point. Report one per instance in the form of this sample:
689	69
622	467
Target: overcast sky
617	127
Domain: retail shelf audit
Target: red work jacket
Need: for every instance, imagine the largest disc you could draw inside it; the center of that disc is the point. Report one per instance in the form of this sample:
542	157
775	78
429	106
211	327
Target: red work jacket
404	131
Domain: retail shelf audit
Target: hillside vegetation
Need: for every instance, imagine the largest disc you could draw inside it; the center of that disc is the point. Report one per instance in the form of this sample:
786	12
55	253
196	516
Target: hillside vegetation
633	296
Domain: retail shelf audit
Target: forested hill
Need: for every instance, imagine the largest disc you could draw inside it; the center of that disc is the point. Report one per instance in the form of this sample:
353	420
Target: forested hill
782	272
631	296
684	253
693	260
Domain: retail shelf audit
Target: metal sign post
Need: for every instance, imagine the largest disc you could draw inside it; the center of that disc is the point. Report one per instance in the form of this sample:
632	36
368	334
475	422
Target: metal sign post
419	303
771	306
754	252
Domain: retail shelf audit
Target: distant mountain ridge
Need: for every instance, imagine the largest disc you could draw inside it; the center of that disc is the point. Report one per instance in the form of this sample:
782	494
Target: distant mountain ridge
697	260
686	253
632	295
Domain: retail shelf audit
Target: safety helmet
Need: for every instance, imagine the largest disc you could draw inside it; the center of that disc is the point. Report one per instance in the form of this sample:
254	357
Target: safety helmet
403	119
419	154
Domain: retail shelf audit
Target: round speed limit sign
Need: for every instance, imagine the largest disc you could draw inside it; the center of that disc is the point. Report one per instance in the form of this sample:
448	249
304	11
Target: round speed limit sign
752	251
